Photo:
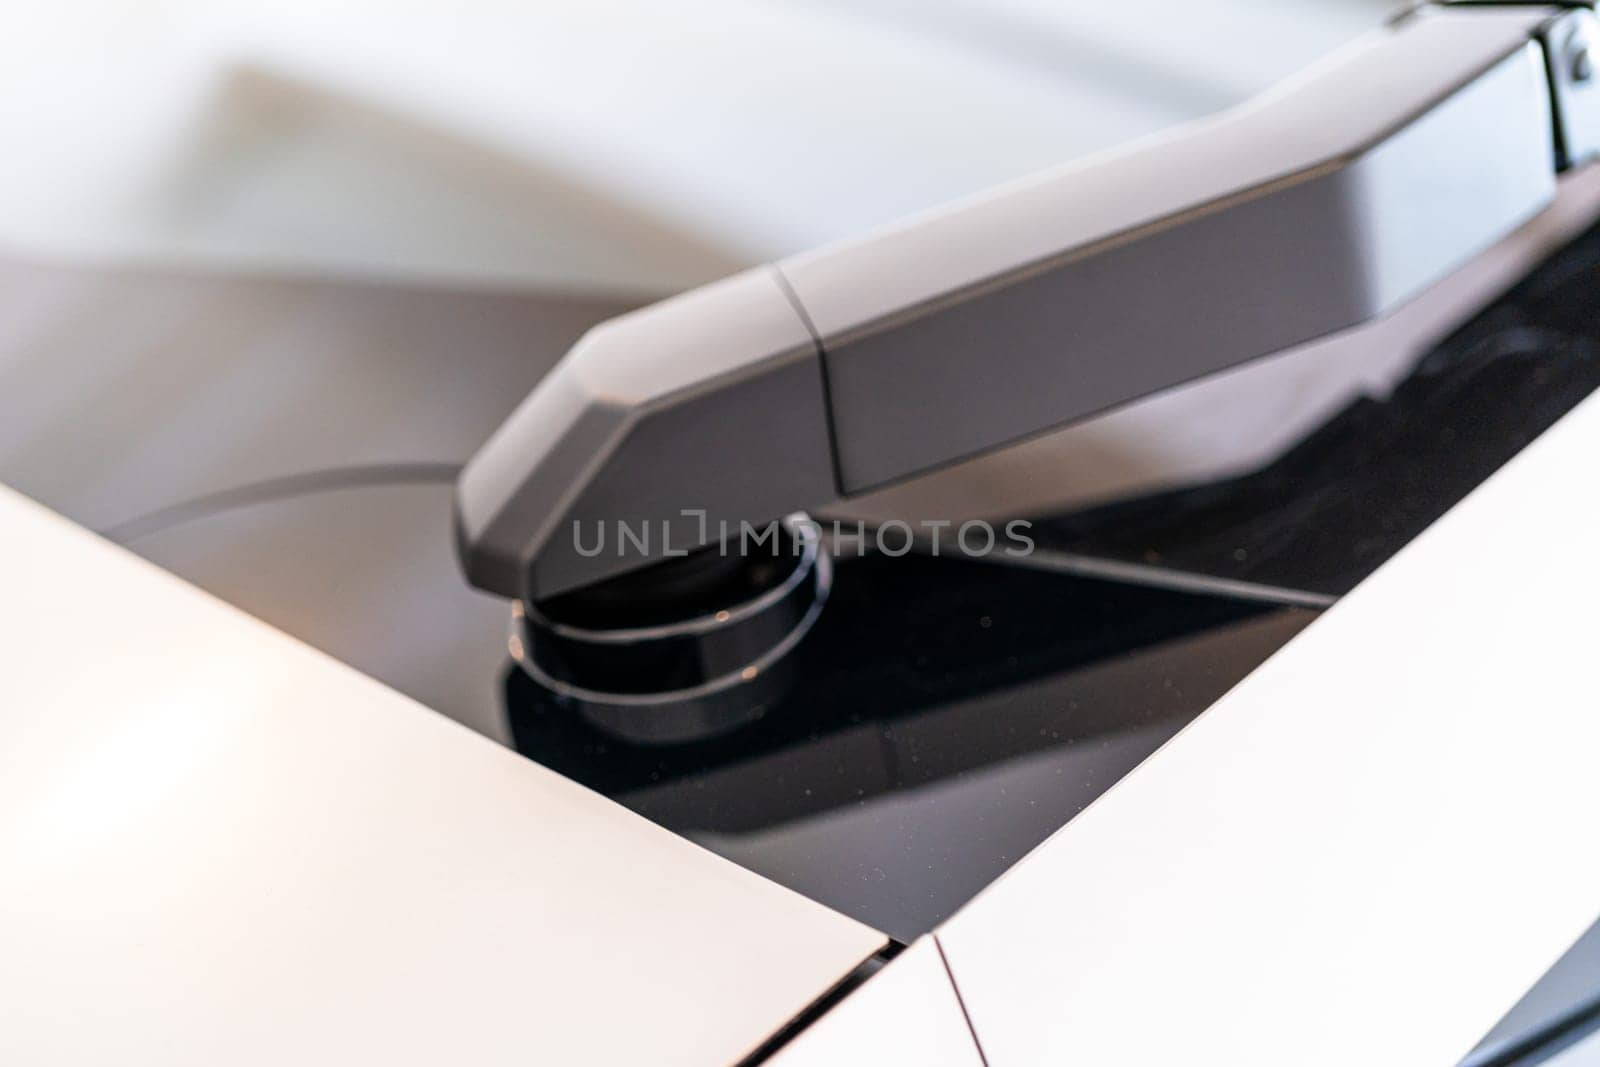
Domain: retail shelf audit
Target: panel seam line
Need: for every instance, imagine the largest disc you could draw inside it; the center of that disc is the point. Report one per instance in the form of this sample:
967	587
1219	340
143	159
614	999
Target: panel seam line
960	1001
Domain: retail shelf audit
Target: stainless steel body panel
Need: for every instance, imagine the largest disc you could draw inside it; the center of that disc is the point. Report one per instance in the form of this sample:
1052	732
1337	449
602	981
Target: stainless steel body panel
1318	842
222	846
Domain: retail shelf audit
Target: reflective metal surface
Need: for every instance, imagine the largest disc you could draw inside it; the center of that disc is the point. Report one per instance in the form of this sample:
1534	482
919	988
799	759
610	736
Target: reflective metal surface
219	846
1364	852
936	750
918	751
366	575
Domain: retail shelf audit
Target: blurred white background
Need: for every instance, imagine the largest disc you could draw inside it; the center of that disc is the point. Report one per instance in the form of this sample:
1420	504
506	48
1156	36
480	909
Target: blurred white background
618	145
